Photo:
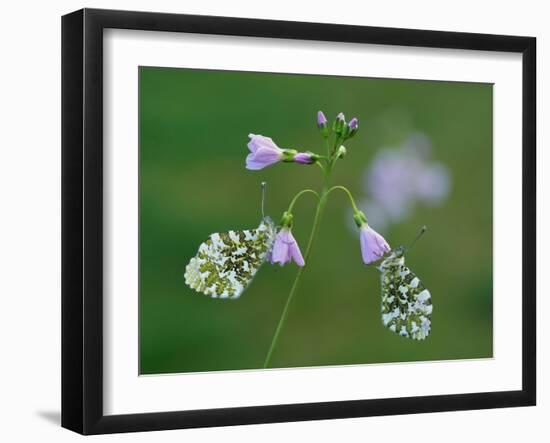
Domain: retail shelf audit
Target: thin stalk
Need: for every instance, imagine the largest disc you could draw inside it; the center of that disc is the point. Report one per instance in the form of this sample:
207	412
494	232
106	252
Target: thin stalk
347	191
321	166
323	196
316	221
297	196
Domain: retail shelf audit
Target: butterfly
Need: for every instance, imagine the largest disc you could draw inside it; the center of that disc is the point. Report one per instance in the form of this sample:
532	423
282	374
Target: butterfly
226	262
406	303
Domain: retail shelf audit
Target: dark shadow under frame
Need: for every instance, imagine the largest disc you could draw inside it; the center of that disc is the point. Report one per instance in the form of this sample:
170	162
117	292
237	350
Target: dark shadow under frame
82	221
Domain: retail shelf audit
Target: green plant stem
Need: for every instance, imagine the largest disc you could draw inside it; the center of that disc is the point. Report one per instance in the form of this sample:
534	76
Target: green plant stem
298	195
322	200
321	166
315	227
330	158
347	191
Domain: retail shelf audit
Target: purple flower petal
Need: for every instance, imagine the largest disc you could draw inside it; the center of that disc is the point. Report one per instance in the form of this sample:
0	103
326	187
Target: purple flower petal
296	254
258	141
280	254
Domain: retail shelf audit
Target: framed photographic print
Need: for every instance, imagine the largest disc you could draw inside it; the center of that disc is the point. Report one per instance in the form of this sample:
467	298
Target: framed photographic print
270	221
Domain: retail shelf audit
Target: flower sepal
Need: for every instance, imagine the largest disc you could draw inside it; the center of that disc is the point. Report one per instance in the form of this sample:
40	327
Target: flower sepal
286	220
359	218
288	155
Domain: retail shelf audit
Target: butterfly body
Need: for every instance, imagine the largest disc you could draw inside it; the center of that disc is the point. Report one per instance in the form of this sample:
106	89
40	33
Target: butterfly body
226	263
406	303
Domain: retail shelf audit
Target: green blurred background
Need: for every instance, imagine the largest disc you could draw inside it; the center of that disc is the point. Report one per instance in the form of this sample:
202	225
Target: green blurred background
193	135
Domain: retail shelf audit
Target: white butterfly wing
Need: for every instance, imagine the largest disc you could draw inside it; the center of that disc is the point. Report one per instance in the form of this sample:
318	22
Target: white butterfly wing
227	262
406	303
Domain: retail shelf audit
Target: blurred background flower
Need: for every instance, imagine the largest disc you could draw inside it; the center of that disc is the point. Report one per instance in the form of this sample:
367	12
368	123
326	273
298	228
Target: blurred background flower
400	178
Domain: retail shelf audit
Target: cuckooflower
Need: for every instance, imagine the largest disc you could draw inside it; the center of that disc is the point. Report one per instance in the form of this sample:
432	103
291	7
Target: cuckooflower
263	152
373	245
286	249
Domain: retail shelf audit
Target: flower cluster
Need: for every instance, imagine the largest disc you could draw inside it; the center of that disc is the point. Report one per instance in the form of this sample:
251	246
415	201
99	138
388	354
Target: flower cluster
265	152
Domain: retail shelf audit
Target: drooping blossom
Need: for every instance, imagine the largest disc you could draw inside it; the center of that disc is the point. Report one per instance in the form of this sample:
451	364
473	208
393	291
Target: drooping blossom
286	249
373	245
263	152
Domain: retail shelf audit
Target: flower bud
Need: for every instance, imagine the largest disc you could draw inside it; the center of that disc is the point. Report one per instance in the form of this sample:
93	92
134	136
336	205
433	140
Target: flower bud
339	124
342	151
353	127
322	123
321	119
306	158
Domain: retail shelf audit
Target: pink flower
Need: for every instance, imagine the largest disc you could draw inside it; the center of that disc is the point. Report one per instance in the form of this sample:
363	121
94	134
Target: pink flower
373	245
285	248
263	152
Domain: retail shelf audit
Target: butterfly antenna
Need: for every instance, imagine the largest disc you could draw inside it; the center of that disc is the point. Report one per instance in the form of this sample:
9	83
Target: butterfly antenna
264	187
420	234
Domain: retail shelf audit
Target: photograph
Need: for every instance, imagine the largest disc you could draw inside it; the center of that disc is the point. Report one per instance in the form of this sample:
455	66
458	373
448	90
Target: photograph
274	221
293	220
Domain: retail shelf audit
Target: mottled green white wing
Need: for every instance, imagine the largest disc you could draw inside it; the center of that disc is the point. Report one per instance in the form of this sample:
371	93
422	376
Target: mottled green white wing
226	263
406	303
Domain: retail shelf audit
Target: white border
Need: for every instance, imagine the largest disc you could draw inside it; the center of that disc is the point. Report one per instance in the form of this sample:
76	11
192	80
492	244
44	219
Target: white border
126	392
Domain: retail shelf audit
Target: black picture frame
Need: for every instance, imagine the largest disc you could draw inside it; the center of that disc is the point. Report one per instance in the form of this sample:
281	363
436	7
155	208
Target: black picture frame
82	220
